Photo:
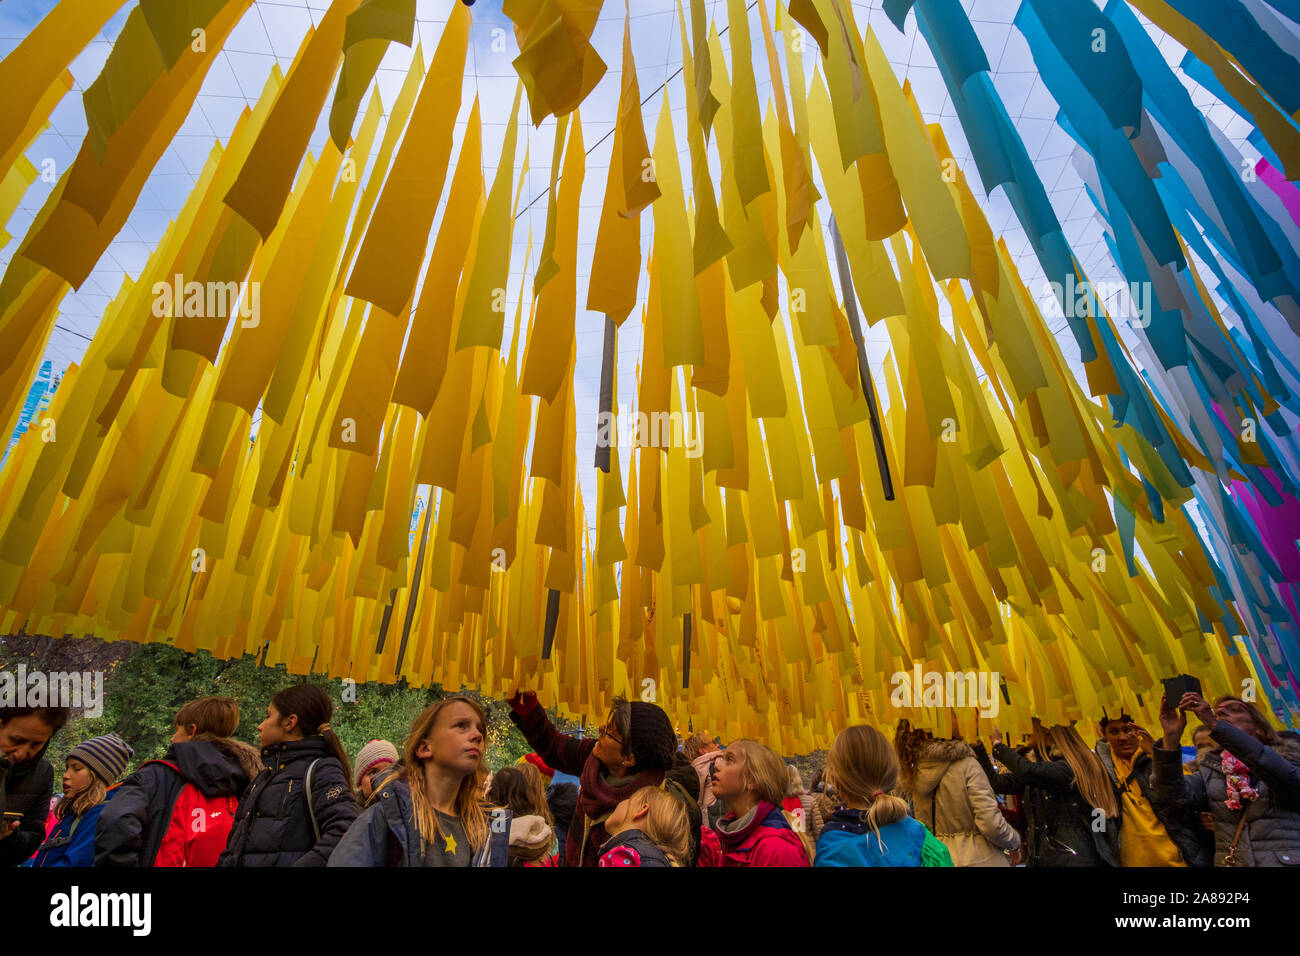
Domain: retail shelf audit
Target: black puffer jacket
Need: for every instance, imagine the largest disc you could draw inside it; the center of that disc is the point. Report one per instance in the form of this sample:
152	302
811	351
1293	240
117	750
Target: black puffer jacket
684	783
1271	834
273	825
1194	842
562	799
25	788
1059	820
132	826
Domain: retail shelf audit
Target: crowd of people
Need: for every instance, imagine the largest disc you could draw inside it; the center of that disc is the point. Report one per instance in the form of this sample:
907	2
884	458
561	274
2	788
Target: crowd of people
645	797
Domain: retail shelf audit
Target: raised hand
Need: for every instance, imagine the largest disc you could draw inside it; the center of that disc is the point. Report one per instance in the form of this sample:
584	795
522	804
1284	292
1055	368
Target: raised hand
1197	705
1173	722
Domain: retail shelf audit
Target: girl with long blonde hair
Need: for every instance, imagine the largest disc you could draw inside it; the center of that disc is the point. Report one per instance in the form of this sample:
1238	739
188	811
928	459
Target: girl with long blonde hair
431	811
1069	797
871	827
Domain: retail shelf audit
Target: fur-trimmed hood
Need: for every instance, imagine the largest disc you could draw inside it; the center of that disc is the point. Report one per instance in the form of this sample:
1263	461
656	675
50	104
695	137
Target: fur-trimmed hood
933	761
217	765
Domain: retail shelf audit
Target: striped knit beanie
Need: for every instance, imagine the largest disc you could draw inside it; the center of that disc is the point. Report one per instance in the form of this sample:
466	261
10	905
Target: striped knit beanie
106	756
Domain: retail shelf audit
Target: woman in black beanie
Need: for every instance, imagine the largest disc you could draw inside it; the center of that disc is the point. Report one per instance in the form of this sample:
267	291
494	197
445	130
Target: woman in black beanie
634	749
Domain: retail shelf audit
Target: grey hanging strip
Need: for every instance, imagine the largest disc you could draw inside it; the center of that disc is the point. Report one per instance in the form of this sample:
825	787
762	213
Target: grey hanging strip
606	416
416	579
383	625
686	651
855	326
552	618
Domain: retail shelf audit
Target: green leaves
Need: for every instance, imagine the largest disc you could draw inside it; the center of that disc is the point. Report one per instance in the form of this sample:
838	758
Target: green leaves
143	692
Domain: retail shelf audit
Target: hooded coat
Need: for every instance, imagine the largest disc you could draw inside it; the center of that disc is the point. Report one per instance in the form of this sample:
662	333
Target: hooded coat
952	796
386	834
71	841
132	828
1271	834
848	840
763	838
273	826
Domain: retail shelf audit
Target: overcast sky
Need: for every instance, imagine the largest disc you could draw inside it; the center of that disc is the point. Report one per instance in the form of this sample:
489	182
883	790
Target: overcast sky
273	30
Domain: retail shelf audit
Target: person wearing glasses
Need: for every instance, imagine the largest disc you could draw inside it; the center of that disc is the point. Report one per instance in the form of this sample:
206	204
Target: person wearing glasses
635	748
1249	785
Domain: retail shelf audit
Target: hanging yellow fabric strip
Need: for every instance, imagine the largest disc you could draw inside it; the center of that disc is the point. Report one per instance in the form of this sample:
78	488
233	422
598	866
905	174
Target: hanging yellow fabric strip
557	63
551	339
388	261
34	75
264	183
429	342
485	299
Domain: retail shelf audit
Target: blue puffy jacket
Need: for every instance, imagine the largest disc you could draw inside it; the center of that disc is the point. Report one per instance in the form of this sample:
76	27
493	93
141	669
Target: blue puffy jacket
848	840
72	841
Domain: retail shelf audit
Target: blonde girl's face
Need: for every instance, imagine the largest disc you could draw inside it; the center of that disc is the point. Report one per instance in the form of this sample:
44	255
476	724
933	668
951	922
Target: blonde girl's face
76	777
455	742
729	775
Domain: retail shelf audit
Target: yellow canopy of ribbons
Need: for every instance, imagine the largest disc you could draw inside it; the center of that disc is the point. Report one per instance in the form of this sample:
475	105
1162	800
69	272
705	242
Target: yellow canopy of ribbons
746	570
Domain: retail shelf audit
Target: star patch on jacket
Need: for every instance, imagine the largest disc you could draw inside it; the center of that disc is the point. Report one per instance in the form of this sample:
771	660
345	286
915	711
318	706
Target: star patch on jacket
450	845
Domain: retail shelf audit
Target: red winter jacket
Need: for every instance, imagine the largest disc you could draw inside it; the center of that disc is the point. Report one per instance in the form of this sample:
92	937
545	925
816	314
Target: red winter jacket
767	840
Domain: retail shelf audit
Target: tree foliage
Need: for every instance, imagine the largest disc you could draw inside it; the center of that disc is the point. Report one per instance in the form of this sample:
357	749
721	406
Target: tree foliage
144	686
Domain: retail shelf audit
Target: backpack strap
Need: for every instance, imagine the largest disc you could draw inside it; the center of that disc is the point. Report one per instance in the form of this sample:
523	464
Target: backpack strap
311	810
165	763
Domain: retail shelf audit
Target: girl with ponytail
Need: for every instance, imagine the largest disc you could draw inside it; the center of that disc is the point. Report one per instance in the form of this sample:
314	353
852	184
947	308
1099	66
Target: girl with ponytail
431	810
300	805
871	827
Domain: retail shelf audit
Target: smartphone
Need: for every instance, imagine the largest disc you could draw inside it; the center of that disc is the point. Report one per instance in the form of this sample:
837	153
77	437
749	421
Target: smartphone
11	815
1176	687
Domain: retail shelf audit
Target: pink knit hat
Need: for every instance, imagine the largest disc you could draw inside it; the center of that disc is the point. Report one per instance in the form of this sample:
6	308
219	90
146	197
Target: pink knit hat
371	755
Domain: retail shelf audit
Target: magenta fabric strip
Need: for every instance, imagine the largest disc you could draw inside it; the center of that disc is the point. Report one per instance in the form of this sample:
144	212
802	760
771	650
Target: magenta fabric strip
1287	192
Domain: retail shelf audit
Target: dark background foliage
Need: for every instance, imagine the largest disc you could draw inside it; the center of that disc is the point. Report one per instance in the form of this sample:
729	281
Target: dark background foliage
144	686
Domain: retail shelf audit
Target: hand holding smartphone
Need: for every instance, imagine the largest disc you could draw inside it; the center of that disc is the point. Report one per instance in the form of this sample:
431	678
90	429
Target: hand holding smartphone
1176	687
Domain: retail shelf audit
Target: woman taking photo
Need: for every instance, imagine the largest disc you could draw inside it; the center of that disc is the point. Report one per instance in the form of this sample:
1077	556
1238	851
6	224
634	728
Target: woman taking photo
1069	799
1249	784
431	810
